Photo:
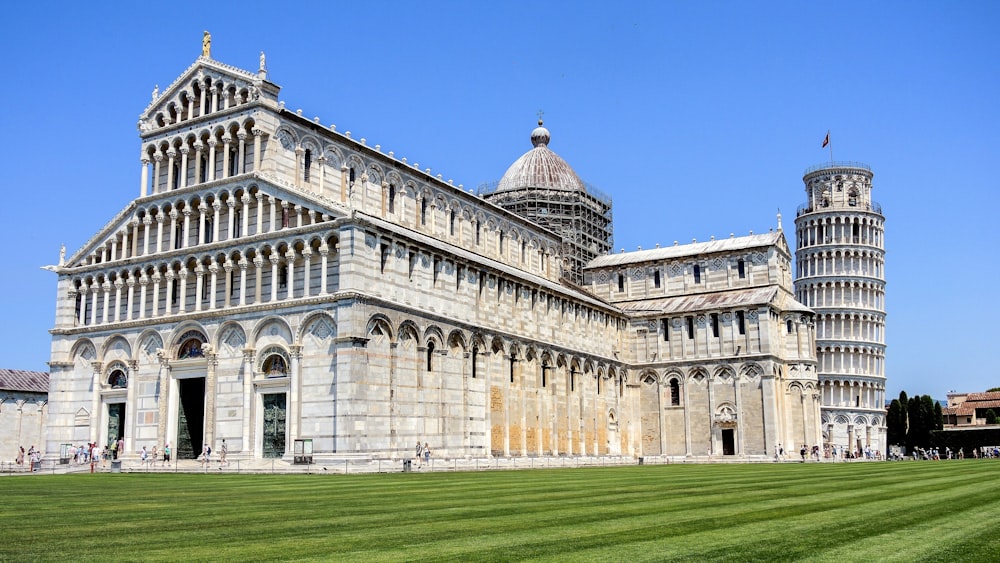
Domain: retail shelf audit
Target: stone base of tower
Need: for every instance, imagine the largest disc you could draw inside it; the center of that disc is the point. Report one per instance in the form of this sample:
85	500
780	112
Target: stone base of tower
858	431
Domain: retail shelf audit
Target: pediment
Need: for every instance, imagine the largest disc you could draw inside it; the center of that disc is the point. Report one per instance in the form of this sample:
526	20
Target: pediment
119	223
181	100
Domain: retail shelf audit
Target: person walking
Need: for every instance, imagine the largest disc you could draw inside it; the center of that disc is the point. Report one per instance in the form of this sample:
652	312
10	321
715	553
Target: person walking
166	454
420	455
427	453
222	453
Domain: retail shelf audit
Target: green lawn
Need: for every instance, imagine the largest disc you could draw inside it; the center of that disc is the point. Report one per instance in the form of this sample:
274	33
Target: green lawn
901	511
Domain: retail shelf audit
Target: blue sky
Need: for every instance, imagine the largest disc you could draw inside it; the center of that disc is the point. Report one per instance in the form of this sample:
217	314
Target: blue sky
698	118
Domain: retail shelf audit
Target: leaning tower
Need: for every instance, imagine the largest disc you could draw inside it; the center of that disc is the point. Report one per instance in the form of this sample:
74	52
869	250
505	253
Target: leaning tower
840	258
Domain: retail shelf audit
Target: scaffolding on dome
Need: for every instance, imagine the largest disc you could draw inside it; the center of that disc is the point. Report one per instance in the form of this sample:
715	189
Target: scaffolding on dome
582	217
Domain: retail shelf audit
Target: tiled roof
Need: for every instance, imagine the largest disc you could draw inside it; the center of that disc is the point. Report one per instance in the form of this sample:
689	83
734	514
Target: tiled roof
988	396
24	380
693	249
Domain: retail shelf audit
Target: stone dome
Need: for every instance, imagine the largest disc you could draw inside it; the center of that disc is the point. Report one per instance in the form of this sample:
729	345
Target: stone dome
540	168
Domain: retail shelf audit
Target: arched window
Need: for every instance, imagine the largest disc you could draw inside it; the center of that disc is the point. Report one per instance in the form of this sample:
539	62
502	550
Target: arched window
430	356
275	366
675	393
392	198
117	379
191	348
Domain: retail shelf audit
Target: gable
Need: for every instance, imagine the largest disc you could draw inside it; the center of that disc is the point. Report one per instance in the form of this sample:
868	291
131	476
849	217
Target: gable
206	87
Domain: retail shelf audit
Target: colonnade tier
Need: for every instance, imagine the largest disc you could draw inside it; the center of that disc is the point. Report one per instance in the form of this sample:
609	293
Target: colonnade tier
202	218
844	227
858	295
270	271
848	359
861	393
853	326
204	95
840	262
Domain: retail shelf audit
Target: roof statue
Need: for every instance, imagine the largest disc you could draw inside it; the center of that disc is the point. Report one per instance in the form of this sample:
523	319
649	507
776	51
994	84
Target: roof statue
156	92
206	45
263	60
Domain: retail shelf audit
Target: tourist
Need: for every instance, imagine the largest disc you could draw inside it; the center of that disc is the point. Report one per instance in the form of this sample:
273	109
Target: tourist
20	456
420	455
427	453
153	456
166	454
143	457
222	453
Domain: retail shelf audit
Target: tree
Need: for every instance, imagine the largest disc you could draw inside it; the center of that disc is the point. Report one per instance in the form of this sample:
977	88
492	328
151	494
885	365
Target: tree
895	421
938	416
991	417
993	390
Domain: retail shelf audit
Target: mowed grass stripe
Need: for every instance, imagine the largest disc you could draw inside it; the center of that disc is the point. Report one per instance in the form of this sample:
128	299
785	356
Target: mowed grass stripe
779	511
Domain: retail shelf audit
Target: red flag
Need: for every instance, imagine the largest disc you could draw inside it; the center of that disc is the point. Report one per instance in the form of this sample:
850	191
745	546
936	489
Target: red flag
826	140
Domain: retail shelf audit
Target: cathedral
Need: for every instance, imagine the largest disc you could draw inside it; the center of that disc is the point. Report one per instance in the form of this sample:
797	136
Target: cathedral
288	288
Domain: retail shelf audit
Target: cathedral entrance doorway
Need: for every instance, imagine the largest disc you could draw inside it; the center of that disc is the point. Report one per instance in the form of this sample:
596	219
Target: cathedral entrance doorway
116	422
190	417
274	425
728	441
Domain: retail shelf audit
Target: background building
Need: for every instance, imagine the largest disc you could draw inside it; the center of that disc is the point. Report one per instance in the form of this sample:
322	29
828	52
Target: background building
840	260
543	188
23	410
277	280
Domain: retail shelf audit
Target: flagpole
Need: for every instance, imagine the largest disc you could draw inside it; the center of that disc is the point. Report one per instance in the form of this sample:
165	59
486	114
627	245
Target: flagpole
831	145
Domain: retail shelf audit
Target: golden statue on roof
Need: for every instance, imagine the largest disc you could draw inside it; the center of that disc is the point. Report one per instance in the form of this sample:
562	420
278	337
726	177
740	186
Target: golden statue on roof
206	45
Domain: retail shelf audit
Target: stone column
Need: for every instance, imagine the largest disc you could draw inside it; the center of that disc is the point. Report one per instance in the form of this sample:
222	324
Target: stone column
159	231
687	417
144	187
322	172
198	147
242	154
290	265
186	230
156	294
243	280
162	397
167	302
202	209
230	219
228	268
271	202
171	155
134	247
174	214
245	231
226	141
106	288
294	397
274	275
258	263
157	159
211	390
131	405
95	402
324	250
146	222
182	274
143	282
248	396
213	269
119	284
216	207
199	283
307	270
256	148
260	213
130	302
184	166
